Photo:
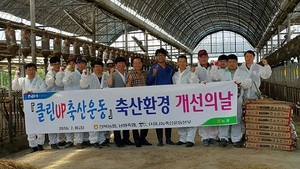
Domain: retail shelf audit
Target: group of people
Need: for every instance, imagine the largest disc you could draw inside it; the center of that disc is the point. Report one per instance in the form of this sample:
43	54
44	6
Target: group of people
77	77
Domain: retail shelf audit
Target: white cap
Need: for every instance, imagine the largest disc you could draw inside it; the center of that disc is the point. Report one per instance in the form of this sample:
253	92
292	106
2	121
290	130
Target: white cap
109	61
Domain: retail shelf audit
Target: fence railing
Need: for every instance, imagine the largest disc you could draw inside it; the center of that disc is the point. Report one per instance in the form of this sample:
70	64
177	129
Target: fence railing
12	120
284	84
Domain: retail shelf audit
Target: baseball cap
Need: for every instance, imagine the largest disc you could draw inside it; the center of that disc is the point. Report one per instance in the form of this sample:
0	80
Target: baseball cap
109	61
202	52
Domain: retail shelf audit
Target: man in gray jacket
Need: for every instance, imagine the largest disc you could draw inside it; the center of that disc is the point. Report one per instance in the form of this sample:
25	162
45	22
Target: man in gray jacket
117	78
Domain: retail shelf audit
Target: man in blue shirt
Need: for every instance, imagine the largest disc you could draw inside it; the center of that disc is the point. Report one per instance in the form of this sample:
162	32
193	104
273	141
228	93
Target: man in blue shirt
161	74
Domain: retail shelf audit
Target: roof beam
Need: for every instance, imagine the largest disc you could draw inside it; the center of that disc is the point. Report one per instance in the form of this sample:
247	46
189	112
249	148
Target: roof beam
119	12
79	21
44	6
286	7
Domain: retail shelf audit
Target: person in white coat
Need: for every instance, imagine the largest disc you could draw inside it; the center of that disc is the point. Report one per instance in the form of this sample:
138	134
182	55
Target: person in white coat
243	80
96	80
72	82
31	83
256	72
58	81
109	65
185	75
208	133
218	66
53	69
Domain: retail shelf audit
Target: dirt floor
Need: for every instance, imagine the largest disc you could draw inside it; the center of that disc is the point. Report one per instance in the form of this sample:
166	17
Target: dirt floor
168	156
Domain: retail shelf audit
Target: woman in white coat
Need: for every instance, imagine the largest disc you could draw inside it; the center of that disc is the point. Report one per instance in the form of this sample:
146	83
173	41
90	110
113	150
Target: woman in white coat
185	75
242	79
31	83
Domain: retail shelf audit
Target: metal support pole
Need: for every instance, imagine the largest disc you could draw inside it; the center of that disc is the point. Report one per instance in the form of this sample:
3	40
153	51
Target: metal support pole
46	65
32	35
278	37
267	47
234	42
179	53
2	79
210	44
223	43
271	44
23	67
126	35
160	43
288	38
171	52
262	54
10	99
146	42
93	9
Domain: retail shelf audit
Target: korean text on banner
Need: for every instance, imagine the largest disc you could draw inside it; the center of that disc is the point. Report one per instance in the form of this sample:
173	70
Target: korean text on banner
165	106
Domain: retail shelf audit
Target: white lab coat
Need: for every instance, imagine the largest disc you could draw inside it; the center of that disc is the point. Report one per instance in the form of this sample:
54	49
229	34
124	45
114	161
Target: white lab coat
213	73
50	82
203	73
35	85
92	82
256	72
186	134
58	79
206	132
244	78
185	77
58	82
51	86
71	81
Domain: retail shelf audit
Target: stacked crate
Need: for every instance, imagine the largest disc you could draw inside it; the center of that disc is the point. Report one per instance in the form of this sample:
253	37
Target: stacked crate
269	124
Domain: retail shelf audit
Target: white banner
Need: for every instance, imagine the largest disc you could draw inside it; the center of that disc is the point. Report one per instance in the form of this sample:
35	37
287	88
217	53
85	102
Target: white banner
164	106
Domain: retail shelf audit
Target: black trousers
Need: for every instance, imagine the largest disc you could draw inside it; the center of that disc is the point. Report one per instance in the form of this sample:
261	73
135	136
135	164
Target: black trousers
159	134
139	138
117	136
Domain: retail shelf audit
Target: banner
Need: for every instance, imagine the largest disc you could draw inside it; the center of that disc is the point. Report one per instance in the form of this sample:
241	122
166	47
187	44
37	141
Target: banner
163	106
